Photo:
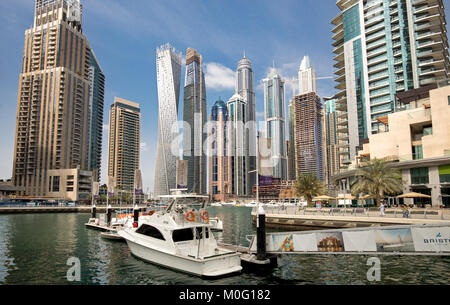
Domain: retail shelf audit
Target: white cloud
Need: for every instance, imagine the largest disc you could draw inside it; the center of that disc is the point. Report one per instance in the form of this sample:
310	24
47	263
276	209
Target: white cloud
105	127
219	77
144	146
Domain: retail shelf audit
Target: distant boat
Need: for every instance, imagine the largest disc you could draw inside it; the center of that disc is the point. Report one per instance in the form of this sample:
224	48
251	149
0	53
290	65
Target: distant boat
216	204
216	224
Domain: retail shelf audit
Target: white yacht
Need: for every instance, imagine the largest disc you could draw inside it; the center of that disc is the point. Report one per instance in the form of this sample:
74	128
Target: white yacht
252	204
180	238
216	224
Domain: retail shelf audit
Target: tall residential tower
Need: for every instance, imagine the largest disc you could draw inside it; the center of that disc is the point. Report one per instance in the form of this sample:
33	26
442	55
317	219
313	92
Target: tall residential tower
96	103
52	130
383	47
124	143
275	116
306	138
168	68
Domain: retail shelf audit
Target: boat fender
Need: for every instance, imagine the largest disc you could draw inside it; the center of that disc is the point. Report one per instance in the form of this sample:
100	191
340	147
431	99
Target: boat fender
205	216
190	216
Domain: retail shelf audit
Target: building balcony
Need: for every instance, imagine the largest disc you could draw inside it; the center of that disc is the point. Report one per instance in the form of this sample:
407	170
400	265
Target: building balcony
375	69
373	20
426	8
428	34
432	71
432	61
429	17
339	57
340	71
378	77
375	45
374	53
375	61
375	36
375	28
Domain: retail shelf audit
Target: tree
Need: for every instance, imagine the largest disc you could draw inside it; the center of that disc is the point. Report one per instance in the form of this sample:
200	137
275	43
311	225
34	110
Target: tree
309	186
126	197
376	178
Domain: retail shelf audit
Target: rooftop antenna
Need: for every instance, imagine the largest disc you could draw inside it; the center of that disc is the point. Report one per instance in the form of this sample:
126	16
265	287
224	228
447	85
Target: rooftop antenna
244	53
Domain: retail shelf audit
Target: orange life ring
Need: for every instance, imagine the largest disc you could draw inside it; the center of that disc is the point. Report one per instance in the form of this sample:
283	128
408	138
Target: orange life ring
190	216
205	215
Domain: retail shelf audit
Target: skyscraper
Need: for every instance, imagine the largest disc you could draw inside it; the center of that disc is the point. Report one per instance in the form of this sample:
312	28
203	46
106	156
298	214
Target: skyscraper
383	47
220	166
245	87
306	77
124	143
275	117
52	131
168	69
194	114
96	103
330	147
307	151
237	110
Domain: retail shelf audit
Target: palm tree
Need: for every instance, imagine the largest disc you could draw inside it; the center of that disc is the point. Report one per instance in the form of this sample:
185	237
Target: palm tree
309	186
377	179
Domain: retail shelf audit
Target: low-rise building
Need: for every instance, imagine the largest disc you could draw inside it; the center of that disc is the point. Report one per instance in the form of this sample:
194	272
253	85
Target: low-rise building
416	140
69	184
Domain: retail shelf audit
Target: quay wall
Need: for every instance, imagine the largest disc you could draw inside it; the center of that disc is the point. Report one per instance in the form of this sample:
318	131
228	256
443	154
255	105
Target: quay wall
39	210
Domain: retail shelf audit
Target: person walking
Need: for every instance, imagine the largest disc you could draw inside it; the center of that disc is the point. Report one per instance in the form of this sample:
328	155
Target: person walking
382	209
405	211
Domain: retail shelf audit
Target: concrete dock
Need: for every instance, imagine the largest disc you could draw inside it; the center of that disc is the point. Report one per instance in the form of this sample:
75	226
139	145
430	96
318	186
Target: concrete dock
324	219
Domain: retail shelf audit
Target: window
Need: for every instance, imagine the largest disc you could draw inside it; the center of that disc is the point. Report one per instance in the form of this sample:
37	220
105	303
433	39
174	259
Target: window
70	177
55	184
444	173
150	231
419	175
200	232
182	235
448	97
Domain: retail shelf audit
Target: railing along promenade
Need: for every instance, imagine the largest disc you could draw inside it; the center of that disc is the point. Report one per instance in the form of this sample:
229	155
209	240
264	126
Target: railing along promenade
350	217
414	213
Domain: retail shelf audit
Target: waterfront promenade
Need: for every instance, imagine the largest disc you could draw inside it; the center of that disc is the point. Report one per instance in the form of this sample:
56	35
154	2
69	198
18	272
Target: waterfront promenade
59	209
295	218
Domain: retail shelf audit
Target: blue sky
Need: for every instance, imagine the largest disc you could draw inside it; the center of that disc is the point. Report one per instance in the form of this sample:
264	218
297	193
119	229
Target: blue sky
125	34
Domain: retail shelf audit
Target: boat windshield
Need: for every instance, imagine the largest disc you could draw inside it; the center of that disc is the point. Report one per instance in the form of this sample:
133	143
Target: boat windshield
188	234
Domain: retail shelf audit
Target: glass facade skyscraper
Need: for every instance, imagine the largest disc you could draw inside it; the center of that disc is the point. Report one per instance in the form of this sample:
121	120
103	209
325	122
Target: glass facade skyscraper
168	69
220	166
96	103
383	47
194	116
238	139
331	160
245	87
275	117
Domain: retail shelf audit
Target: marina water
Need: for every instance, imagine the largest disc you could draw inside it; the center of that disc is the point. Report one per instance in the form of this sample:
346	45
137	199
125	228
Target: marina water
35	249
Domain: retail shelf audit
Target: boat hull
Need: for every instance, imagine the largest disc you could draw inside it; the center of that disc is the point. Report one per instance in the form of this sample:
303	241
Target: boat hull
208	267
